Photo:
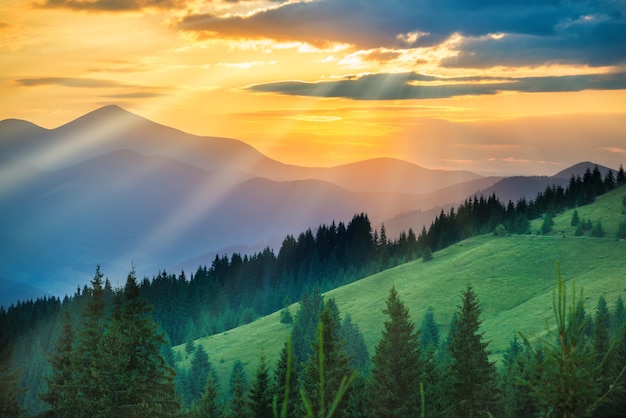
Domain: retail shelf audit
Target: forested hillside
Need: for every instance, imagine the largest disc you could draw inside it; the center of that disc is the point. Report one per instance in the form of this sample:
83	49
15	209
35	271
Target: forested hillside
237	289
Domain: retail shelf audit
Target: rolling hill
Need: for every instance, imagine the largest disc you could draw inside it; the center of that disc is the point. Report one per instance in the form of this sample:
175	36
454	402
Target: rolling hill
514	278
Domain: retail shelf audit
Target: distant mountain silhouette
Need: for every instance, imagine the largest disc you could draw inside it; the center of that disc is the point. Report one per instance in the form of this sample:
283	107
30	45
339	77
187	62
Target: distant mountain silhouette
507	188
579	169
112	128
113	188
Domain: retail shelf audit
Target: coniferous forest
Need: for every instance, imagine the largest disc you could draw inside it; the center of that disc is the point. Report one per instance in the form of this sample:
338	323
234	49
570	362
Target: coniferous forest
107	351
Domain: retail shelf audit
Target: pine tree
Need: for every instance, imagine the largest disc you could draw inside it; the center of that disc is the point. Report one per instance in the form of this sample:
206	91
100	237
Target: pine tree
286	380
285	314
547	224
85	359
473	373
238	407
260	397
397	367
135	380
605	355
208	406
516	367
575	218
619	317
305	324
568	358
199	371
329	358
10	390
618	374
429	332
354	344
61	392
601	331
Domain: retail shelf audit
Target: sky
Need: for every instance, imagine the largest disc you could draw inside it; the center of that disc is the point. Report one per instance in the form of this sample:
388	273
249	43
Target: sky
495	87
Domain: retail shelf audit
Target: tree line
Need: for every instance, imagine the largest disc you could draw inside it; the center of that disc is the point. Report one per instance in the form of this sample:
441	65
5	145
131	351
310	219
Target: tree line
111	364
235	290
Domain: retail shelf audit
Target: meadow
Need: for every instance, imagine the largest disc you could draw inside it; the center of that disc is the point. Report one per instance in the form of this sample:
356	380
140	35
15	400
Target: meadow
514	277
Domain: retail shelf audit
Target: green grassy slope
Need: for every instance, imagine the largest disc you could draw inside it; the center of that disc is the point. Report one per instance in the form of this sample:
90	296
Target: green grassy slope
514	278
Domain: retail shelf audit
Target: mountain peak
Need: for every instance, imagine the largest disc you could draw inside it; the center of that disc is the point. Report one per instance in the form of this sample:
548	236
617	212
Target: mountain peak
105	115
579	169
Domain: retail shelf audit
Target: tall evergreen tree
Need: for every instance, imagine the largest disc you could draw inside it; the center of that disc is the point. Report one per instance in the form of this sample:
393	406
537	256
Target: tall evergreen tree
10	390
328	353
517	400
569	360
85	359
619	317
286	380
238	407
199	371
601	331
354	344
135	380
429	332
209	405
305	324
397	367
260	397
618	375
61	392
474	375
604	356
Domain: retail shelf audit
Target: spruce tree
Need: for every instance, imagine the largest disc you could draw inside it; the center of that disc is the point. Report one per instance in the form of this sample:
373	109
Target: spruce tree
604	355
61	392
601	331
618	374
199	371
10	390
568	358
135	380
429	332
285	313
238	407
397	367
208	406
260	397
474	375
517	400
328	359
305	324
85	359
286	383
354	344
619	317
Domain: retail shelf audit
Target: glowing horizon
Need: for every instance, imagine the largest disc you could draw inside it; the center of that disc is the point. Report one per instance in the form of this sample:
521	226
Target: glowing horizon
518	90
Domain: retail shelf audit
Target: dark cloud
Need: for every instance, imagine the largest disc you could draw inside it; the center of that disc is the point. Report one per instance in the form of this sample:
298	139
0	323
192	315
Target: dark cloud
594	41
405	86
110	5
127	91
68	82
583	31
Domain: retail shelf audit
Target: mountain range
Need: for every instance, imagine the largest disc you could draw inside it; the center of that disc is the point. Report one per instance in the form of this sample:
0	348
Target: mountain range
115	189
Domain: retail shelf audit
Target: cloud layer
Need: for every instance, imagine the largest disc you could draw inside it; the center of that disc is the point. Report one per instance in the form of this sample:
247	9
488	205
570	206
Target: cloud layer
418	86
530	32
109	5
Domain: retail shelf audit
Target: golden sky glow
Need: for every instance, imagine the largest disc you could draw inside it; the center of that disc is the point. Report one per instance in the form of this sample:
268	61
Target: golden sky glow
327	82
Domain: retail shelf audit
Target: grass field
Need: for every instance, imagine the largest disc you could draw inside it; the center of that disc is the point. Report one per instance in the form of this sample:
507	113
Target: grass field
514	278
